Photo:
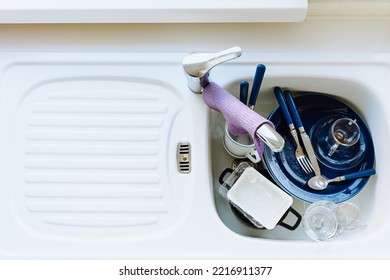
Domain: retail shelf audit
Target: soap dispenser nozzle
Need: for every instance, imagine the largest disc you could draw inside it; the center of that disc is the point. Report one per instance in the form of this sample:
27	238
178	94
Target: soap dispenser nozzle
198	65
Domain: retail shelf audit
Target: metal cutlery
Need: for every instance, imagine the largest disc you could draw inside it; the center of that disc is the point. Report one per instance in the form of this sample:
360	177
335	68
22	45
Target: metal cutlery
304	137
320	182
300	155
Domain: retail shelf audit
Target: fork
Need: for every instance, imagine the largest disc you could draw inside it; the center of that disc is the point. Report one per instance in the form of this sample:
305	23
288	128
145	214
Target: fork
300	155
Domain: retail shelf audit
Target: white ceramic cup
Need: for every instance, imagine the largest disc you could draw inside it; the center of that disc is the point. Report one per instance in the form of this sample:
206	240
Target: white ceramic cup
241	146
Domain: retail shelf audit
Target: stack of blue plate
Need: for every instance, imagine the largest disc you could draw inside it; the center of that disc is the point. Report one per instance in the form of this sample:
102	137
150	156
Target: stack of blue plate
318	111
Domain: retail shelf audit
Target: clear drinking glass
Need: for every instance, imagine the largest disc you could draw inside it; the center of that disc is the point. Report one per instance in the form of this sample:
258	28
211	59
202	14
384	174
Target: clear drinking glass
325	220
344	133
352	215
322	221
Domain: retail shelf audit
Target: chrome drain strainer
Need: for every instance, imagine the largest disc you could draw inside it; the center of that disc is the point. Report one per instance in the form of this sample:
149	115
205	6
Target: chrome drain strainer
184	157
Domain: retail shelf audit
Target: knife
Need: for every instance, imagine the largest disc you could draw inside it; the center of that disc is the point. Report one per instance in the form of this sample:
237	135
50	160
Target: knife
305	138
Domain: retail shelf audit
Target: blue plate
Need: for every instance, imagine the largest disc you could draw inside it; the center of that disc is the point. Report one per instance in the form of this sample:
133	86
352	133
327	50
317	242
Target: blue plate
317	111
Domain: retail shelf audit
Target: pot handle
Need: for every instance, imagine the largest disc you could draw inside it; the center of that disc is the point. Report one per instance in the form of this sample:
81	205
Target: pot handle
297	222
223	174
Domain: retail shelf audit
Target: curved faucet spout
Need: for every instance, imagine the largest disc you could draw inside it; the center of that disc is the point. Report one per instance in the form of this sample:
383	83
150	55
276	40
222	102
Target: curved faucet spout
198	65
270	137
239	116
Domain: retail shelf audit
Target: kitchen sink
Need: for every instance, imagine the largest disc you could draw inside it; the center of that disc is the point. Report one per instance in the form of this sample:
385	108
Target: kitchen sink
90	156
346	81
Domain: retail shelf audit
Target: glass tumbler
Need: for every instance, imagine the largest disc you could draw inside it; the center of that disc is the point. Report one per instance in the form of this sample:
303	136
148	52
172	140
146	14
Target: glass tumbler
322	221
325	220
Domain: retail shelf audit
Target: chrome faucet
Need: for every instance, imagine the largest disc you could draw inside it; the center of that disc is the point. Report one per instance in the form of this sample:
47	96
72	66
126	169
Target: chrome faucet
197	67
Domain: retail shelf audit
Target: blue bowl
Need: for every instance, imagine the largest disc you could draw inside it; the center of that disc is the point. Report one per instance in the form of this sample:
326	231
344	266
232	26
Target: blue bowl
316	110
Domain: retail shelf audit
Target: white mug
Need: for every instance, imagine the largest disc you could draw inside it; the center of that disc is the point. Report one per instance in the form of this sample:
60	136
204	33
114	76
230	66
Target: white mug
241	146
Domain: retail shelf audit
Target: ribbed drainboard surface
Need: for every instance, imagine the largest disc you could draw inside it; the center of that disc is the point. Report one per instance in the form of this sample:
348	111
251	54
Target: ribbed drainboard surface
92	154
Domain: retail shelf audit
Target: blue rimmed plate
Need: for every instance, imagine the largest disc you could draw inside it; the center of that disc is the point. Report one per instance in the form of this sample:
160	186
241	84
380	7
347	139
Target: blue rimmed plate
317	111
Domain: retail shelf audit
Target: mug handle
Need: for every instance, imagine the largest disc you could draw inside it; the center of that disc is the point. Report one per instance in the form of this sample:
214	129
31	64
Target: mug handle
333	149
297	222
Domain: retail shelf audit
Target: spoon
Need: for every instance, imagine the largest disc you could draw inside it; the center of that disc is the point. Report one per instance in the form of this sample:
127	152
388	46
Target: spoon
320	183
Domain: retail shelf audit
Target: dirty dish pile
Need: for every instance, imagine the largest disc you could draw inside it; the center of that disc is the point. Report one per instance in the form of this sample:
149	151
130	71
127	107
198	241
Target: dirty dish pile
318	112
327	158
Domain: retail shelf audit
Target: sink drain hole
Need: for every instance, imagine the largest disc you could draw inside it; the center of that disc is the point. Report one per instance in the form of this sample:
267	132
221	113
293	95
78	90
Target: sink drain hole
184	157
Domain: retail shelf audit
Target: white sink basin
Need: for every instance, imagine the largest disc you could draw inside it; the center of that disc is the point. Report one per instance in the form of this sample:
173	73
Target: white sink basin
89	166
361	84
